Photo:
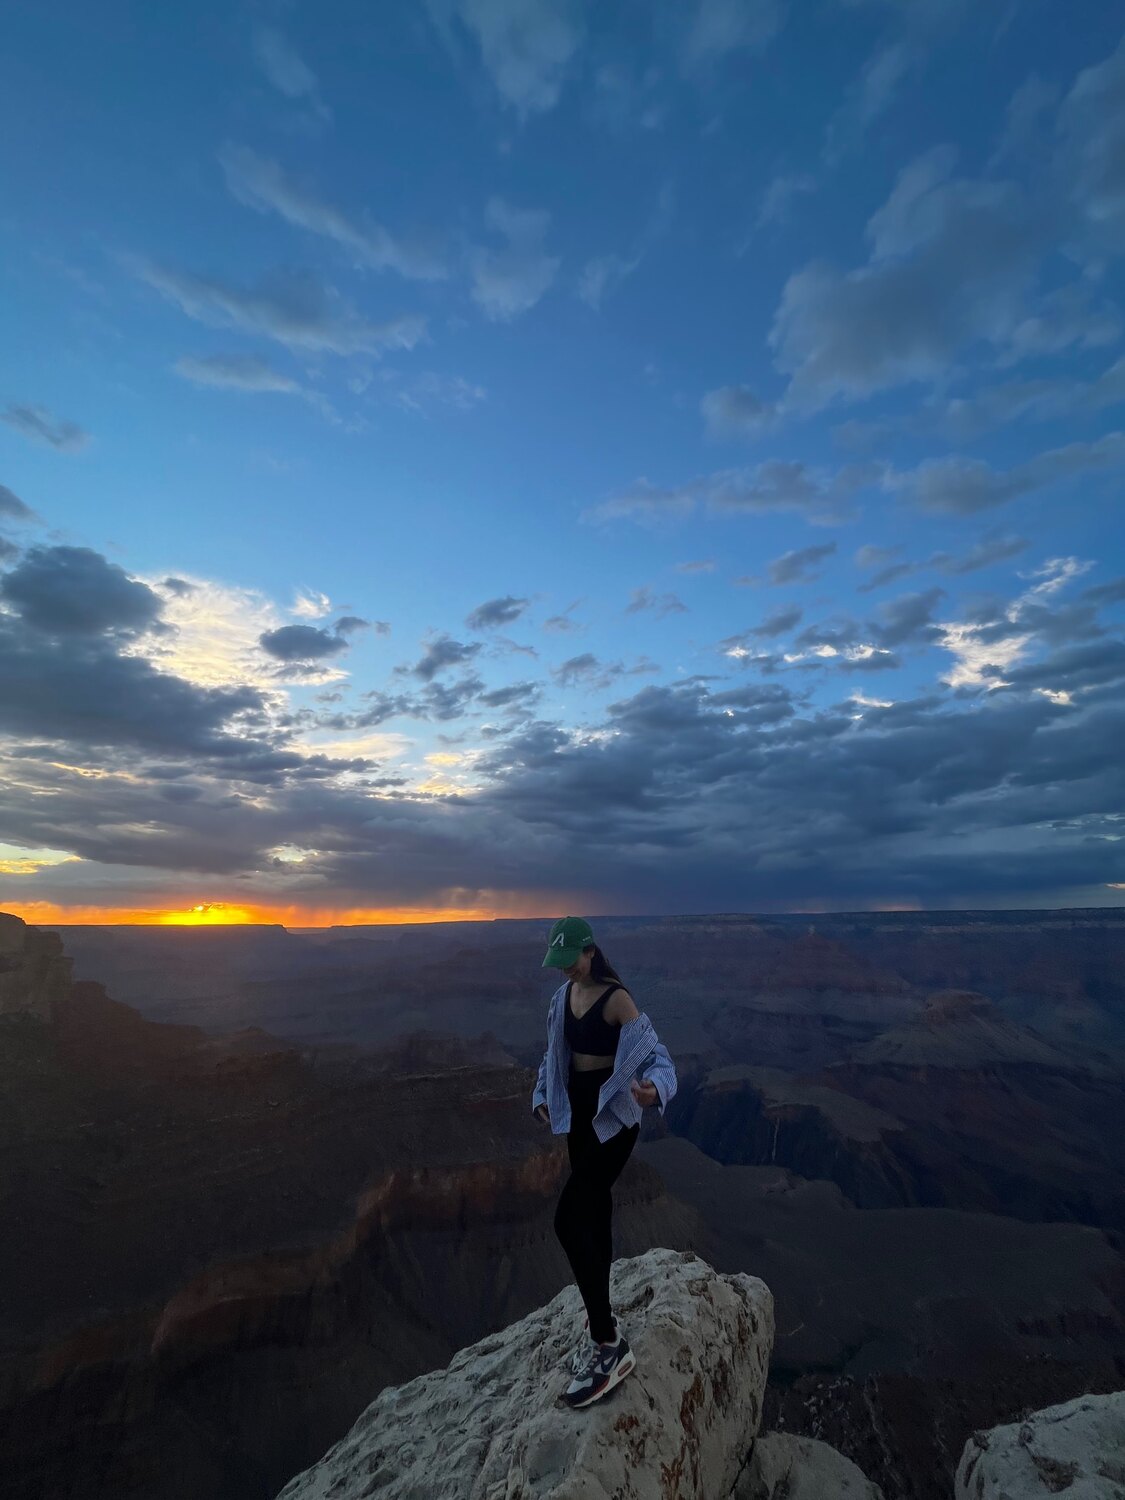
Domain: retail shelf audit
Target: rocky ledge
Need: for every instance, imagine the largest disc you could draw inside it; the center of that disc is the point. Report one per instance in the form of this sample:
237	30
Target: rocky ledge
491	1427
684	1426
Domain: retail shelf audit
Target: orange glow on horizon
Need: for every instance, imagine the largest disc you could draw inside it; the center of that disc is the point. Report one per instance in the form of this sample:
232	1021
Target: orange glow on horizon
237	914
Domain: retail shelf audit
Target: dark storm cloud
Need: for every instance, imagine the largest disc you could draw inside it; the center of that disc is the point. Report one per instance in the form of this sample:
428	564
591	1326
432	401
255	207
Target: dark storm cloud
496	612
77	690
301	643
8	550
743	797
74	591
38	423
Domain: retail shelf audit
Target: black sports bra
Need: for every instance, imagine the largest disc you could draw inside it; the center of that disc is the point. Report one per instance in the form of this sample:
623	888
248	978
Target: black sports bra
591	1032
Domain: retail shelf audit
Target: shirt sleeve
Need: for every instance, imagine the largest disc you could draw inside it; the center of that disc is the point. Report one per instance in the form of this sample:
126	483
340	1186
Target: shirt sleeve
659	1070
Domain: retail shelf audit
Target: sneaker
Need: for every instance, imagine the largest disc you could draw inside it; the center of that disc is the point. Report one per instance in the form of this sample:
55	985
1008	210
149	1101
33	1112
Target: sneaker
586	1346
606	1366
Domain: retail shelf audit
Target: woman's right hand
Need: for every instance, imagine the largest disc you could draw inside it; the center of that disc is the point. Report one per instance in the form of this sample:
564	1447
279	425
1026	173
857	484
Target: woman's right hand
543	1113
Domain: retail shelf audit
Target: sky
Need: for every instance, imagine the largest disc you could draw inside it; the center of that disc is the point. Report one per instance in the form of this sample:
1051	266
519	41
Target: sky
482	458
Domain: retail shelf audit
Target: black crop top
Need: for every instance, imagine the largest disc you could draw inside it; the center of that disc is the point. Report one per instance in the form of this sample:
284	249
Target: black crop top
591	1032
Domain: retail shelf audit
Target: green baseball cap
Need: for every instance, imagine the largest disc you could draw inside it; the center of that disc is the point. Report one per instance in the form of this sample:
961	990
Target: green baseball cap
568	937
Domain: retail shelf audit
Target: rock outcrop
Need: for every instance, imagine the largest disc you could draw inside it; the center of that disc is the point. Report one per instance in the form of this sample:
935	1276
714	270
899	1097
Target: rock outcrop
490	1425
34	974
1077	1448
787	1467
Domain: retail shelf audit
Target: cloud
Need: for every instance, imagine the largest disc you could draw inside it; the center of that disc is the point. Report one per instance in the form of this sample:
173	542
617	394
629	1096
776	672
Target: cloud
981	555
263	185
991	406
310	604
38	423
720	27
239	372
439	654
1024	118
779	623
8	550
424	392
72	591
951	263
283	65
780	194
301	643
295	311
1091	122
909	619
494	612
868	97
796	566
605	273
526	46
349	624
965	486
735	411
78	689
12	508
509	282
643	599
776	485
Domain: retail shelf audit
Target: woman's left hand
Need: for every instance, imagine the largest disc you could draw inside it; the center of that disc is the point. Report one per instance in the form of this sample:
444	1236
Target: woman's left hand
645	1093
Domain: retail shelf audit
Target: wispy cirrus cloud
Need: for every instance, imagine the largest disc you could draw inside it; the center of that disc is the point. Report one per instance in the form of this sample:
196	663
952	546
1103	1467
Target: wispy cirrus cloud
287	71
36	422
262	184
295	311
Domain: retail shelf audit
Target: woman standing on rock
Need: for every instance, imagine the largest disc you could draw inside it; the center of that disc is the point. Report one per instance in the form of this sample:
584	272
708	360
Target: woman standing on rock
602	1066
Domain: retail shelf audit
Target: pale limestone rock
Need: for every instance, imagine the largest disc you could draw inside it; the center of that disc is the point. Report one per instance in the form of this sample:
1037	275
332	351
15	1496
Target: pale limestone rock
787	1467
1076	1448
490	1425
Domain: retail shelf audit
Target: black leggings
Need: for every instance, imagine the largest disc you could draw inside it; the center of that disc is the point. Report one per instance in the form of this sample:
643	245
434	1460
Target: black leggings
584	1216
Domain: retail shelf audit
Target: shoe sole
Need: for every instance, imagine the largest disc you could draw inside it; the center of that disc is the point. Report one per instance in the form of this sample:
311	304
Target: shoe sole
626	1367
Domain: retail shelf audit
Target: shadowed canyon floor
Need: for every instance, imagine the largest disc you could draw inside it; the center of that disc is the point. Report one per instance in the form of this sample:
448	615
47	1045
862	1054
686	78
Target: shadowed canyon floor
224	1246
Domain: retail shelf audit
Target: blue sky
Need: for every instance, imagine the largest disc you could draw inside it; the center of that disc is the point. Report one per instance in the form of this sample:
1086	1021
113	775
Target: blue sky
508	456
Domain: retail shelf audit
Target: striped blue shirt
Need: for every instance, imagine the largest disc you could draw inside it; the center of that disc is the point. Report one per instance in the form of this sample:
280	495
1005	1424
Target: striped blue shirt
639	1055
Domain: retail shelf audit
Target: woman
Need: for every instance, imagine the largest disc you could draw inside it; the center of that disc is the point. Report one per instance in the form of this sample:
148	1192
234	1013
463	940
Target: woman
602	1066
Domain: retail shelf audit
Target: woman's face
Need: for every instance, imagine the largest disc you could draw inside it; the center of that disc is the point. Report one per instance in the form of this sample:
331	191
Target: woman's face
580	970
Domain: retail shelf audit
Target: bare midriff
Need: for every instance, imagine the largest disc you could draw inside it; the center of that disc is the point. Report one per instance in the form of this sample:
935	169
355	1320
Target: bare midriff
586	1062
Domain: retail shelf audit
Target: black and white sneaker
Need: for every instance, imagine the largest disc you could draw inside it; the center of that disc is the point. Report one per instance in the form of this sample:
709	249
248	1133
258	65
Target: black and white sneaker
586	1346
606	1366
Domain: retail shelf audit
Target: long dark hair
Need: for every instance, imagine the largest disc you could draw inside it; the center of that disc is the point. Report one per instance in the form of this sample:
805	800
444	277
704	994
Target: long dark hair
601	970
